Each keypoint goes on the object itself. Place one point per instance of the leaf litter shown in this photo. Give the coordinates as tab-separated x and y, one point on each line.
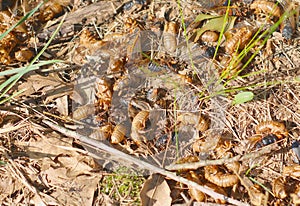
43	167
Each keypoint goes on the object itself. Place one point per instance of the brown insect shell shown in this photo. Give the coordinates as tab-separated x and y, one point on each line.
87	40
188	159
104	94
138	124
223	147
169	36
278	188
272	127
137	105
266	7
217	189
209	36
237	38
102	133
257	198
201	122
98	135
293	171
194	193
23	55
84	111
139	121
296	195
51	9
198	145
214	175
118	134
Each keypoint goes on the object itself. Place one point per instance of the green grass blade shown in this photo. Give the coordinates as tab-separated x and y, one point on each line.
12	96
33	67
13	80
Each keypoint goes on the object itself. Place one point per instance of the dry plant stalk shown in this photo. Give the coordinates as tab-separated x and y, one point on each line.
122	157
202	163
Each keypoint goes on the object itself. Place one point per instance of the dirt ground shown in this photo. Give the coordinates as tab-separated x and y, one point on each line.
143	102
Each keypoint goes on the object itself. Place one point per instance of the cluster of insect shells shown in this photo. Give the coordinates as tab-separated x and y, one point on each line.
220	177
12	45
239	36
12	42
215	176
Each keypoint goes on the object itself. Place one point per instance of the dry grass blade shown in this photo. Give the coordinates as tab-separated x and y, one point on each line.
122	157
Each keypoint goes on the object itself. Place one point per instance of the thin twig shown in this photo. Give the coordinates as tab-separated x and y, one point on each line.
121	157
202	163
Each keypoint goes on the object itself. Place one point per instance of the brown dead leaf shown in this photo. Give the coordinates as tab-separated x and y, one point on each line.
156	191
62	105
35	83
71	191
8	185
64	168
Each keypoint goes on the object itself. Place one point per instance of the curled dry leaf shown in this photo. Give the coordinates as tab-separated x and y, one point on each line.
156	191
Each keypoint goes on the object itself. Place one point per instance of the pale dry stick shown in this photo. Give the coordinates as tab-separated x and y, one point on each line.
202	163
122	157
13	128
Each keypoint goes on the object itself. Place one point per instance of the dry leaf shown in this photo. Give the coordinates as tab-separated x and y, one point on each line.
35	83
156	191
8	185
62	105
63	168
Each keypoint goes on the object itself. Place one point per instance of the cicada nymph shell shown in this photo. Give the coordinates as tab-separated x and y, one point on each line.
266	7
103	94
201	122
169	36
23	55
237	38
257	198
216	176
188	159
296	195
194	193
217	189
83	112
293	171
278	188
101	133
272	127
209	36
118	134
52	9
138	124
